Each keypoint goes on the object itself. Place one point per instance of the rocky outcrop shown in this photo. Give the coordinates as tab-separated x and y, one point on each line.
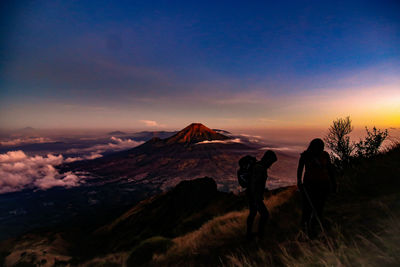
170	214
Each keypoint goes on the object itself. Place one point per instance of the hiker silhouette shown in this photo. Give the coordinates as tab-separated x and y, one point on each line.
316	184
255	193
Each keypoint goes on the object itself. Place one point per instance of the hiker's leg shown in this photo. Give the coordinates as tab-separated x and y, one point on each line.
264	215
320	203
313	194
316	200
250	218
307	210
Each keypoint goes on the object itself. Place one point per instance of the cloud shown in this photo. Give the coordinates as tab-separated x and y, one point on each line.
251	138
27	140
248	135
151	123
19	171
85	157
289	148
230	141
116	144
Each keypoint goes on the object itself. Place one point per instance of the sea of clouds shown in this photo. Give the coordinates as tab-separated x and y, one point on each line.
19	171
116	144
25	140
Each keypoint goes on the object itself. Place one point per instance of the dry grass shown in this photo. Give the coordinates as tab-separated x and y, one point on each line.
110	260
219	235
370	249
218	232
43	251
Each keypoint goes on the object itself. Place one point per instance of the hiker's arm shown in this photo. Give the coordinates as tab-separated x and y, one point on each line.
252	184
259	182
300	169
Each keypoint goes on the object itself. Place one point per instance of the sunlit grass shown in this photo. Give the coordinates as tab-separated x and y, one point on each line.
223	233
370	249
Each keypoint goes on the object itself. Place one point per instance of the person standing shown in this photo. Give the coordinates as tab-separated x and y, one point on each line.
255	194
316	184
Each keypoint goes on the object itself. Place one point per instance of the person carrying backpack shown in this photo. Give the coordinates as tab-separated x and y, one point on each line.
256	175
316	184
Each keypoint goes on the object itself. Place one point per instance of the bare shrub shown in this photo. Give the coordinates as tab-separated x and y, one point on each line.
338	139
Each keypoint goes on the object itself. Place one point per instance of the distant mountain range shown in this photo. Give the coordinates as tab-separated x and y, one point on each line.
147	135
142	136
116	133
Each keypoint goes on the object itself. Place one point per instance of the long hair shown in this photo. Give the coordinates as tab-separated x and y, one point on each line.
316	146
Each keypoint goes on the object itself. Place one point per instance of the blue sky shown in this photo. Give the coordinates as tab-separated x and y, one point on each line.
164	64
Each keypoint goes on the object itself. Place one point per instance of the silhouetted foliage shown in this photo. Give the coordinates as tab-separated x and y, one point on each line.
370	145
343	150
338	139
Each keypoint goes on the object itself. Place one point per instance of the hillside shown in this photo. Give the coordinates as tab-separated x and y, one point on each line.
195	225
170	214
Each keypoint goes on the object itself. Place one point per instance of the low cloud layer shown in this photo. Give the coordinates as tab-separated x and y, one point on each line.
284	148
26	140
251	138
230	141
19	171
116	144
85	157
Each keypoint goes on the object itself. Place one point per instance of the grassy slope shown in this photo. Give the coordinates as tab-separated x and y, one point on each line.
218	236
364	227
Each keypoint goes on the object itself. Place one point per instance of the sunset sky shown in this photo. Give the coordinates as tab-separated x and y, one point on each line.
227	64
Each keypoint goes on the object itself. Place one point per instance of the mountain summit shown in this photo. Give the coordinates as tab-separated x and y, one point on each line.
194	133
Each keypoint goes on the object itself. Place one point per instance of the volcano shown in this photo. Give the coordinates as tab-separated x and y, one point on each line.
194	133
193	152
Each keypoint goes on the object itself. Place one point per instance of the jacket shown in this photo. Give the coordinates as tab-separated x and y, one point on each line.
257	182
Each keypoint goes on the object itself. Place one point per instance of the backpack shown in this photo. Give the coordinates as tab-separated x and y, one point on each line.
244	173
